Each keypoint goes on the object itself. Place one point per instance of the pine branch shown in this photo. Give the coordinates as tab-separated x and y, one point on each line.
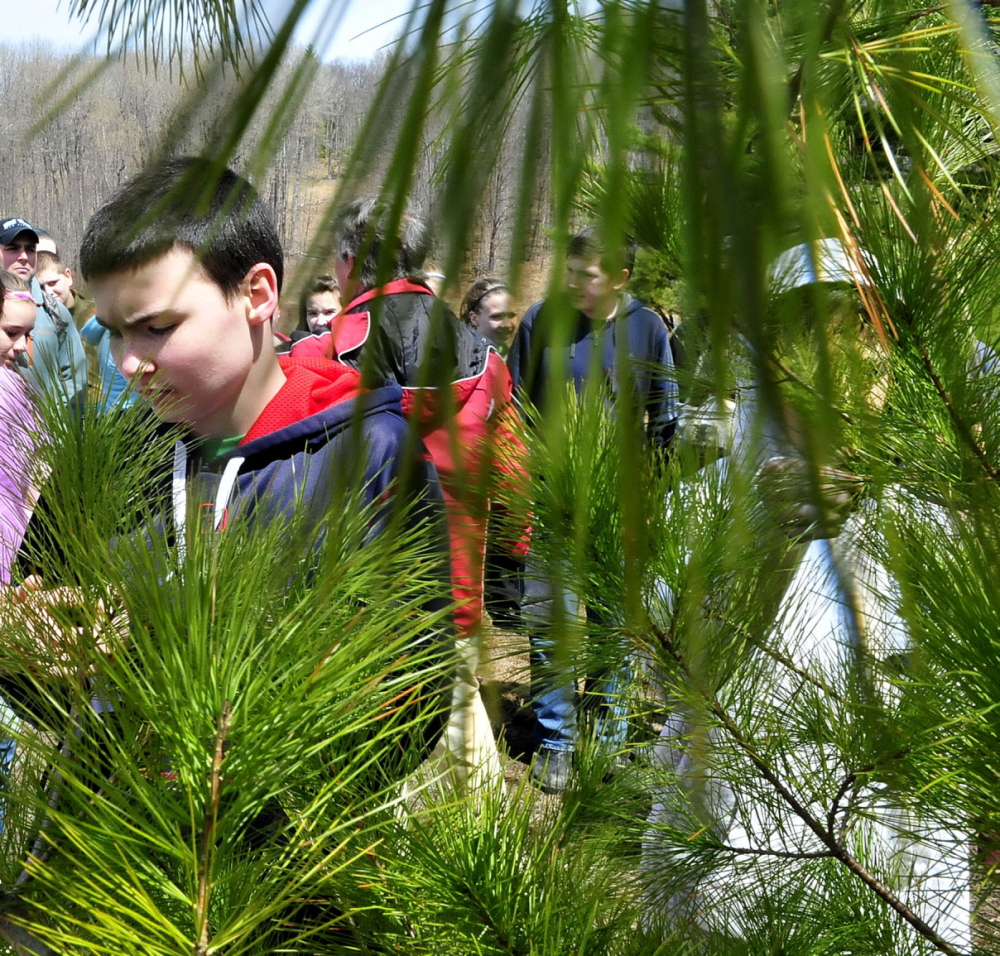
823	834
779	854
960	424
208	832
503	939
38	851
831	818
788	663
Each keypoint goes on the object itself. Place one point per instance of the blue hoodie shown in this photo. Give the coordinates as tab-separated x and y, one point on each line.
321	432
650	363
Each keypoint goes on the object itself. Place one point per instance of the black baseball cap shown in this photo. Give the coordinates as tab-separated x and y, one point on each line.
9	228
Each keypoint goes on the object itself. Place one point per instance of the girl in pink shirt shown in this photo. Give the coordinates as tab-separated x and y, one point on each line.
18	420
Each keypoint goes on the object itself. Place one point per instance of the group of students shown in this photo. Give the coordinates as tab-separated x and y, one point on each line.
601	313
162	293
186	301
486	307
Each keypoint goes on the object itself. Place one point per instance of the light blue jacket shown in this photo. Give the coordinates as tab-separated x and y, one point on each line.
59	363
113	384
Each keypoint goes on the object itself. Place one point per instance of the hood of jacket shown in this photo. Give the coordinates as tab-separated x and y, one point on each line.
320	399
407	325
321	429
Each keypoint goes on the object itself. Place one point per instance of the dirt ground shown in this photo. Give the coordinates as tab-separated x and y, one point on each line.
505	690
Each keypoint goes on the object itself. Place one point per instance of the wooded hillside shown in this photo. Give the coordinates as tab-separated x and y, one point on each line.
76	129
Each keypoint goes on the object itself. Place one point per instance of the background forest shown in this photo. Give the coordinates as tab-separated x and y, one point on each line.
82	150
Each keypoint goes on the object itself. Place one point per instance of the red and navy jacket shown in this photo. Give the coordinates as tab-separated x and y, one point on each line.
402	333
324	431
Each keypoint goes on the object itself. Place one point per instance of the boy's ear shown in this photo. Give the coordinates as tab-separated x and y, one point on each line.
621	280
261	290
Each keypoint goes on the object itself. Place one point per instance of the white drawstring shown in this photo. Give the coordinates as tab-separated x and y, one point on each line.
180	495
225	491
180	498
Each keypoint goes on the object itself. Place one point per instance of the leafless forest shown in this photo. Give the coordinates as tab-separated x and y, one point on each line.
61	157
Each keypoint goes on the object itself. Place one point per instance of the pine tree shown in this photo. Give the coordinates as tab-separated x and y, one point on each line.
245	797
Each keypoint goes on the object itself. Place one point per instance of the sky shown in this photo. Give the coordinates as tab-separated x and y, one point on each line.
49	20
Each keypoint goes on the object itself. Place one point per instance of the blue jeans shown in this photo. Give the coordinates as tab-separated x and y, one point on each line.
551	614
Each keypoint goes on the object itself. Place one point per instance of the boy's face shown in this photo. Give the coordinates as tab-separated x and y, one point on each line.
592	290
59	284
186	348
16	323
19	255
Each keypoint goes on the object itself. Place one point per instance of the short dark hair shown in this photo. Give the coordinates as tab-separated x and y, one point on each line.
589	243
477	292
361	230
191	203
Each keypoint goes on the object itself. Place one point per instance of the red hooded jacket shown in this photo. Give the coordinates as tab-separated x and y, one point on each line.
402	333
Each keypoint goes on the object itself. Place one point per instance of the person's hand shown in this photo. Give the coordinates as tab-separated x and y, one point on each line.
801	506
57	622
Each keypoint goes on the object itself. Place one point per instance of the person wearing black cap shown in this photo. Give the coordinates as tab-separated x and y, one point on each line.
58	361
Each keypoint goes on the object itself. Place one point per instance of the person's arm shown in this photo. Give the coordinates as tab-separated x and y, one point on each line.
524	358
72	356
662	407
59	361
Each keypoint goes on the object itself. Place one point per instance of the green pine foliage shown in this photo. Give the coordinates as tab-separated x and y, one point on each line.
273	691
215	735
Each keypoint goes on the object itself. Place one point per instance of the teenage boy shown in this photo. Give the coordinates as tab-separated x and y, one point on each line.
602	314
186	269
56	278
58	365
188	295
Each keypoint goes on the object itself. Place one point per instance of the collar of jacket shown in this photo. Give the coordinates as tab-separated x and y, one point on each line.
392	288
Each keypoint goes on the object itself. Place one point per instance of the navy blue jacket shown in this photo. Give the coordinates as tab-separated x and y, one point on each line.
323	433
650	364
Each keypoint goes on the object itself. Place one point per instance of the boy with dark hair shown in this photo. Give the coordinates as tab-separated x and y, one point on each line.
186	268
600	315
589	244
